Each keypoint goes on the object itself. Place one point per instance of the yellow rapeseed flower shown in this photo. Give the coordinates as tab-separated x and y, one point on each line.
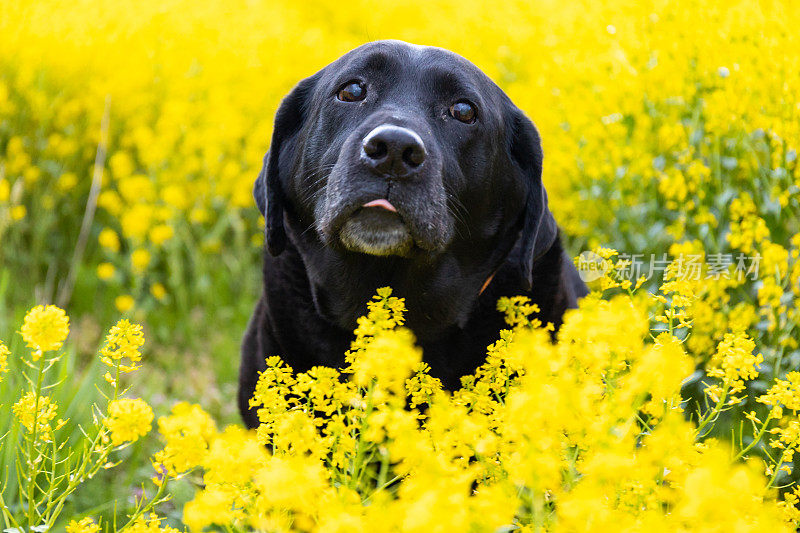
105	271
4	353
27	414
215	505
128	419
18	212
67	181
122	345
109	239
158	291
388	359
84	525
124	303
45	328
736	360
150	524
5	190
160	234
187	432
140	258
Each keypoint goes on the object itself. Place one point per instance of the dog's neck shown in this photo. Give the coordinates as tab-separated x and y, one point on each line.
441	291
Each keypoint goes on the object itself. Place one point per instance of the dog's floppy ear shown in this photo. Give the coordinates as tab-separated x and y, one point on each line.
267	190
539	229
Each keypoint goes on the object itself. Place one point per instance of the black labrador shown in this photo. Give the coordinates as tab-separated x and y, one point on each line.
404	166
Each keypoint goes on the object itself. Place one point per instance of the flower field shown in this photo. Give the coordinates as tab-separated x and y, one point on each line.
130	137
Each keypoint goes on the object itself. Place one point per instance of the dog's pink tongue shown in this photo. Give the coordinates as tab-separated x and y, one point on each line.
381	203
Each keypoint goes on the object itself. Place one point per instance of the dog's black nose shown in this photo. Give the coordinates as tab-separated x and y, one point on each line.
393	150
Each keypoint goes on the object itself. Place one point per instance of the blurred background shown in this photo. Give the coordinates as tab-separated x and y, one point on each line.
131	133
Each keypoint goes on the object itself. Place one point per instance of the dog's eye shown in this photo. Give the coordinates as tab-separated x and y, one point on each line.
352	91
463	111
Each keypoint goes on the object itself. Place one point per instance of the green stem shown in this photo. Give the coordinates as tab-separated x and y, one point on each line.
33	466
355	473
116	379
756	439
776	368
146	507
8	518
384	471
382	486
777	469
80	474
671	318
715	411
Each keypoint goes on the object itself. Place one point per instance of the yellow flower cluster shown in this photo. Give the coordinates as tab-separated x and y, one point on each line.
667	126
746	226
785	393
128	419
84	525
51	465
150	524
121	349
187	431
36	414
734	362
4	353
377	356
587	434
44	329
653	117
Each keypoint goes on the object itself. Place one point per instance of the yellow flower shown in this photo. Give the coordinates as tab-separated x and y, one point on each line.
213	505
67	181
85	525
140	258
785	393
124	303
233	456
151	524
136	221
291	482
187	432
29	416
4	353
111	202
123	341
158	291
105	271
18	212
45	328
378	342
735	359
109	239
121	165
5	190
160	234
389	358
128	419
747	228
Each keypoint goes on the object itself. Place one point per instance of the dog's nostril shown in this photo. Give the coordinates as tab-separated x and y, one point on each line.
413	156
393	150
375	148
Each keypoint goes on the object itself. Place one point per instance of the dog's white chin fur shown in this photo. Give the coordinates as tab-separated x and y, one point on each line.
380	234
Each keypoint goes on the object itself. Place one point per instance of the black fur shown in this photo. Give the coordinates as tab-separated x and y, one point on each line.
475	207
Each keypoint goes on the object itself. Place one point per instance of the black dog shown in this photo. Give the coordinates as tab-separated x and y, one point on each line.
403	166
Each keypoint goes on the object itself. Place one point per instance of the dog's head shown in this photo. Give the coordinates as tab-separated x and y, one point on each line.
402	150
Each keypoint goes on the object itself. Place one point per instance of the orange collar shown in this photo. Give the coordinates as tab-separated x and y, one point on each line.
486	283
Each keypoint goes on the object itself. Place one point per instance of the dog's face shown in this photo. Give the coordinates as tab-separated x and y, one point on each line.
409	151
